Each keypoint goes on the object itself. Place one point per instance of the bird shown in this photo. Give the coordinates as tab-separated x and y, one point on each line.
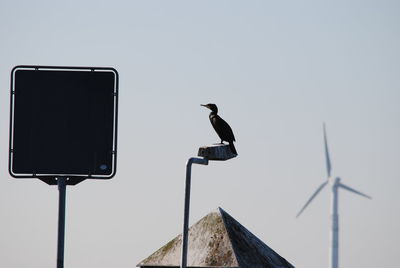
222	128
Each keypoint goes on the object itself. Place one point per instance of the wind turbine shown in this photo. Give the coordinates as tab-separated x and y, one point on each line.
335	183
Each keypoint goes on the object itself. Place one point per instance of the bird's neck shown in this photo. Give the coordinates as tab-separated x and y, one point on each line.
212	114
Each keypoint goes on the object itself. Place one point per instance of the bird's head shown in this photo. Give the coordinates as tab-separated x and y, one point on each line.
211	106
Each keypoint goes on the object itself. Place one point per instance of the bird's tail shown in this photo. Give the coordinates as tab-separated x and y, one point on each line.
232	147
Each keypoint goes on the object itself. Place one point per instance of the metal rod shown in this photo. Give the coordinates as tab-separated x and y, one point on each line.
61	182
193	160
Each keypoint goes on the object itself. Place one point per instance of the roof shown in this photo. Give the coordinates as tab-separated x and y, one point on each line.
218	240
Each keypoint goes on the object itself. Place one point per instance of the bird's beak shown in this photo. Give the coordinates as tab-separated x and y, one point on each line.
204	105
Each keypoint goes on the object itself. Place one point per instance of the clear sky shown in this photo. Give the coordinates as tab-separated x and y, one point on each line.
276	69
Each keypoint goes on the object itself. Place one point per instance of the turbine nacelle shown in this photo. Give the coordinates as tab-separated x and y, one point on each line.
333	180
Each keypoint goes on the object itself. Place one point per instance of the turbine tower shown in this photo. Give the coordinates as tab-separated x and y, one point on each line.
335	184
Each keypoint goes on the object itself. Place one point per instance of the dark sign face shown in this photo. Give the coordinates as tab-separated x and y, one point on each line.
63	122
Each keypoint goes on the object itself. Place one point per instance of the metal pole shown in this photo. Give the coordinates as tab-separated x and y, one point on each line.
61	182
195	160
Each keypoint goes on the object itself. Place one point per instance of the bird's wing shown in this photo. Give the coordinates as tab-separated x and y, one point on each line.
222	128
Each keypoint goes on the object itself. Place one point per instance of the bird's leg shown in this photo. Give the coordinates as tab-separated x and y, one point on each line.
222	142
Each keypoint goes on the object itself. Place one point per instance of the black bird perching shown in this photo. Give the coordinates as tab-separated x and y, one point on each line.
219	152
222	128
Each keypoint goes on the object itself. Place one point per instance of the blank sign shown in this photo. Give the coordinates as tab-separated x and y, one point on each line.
63	121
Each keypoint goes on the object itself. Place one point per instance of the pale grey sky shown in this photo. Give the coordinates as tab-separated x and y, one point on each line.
276	69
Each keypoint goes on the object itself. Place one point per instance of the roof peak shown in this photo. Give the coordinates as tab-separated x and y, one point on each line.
218	240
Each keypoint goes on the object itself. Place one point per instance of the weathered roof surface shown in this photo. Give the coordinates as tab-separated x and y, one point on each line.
218	240
250	251
208	246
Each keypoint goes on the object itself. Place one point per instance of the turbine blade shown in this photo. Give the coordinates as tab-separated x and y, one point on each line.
327	158
353	191
312	197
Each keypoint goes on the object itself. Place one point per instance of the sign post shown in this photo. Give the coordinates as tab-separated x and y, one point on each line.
61	181
63	128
